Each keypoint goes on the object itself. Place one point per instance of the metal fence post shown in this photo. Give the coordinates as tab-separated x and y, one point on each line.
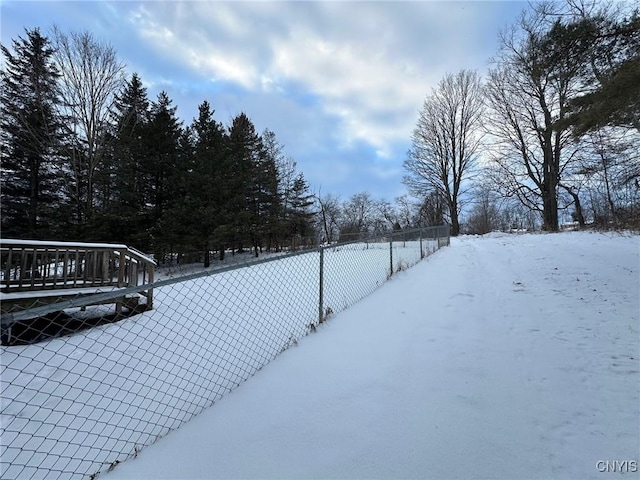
321	292
391	254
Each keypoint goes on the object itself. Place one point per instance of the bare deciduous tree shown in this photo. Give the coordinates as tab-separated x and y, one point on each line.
484	216
431	211
529	91
405	211
358	216
446	141
91	77
609	170
328	216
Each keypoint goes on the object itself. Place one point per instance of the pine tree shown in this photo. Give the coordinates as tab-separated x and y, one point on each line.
124	212
194	216
299	213
606	50
248	182
163	135
205	192
285	169
173	232
31	134
267	203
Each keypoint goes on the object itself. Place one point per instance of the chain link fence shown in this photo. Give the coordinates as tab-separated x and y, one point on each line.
84	387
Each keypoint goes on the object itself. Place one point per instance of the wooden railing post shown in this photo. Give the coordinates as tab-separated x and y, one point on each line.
7	273
121	269
150	291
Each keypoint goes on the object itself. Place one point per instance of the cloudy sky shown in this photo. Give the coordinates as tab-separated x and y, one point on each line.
340	83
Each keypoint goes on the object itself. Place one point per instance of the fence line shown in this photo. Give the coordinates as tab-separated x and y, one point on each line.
75	405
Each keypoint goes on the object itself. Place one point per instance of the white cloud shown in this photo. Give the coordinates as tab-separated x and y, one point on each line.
190	33
370	63
366	65
340	82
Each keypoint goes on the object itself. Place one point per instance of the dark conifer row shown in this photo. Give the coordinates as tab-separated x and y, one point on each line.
158	186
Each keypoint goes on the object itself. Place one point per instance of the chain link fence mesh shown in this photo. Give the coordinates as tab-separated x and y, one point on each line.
84	387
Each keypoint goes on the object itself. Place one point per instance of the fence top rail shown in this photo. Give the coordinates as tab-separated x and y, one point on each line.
382	237
9	242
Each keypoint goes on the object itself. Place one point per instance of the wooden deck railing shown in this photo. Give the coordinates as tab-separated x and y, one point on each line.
66	267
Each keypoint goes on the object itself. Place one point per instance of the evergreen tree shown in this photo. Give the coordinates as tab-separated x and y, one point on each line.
173	232
284	170
299	213
614	58
158	166
126	204
31	134
248	182
203	180
267	203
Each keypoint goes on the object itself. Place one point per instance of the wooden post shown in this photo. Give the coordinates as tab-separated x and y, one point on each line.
55	268
105	266
121	276
7	273
34	263
46	265
23	267
94	267
76	268
150	291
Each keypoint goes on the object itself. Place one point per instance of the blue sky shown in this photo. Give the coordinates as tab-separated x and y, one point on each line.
340	83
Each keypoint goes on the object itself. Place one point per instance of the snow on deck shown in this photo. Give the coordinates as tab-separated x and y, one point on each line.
504	357
60	292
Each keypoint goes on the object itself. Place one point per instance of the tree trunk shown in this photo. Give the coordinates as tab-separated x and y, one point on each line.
207	256
605	170
549	178
550	200
578	205
88	215
455	224
579	214
550	210
32	218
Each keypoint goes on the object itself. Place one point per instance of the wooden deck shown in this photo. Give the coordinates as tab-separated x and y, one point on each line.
39	272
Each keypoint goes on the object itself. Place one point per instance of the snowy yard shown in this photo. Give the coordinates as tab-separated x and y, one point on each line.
77	405
499	357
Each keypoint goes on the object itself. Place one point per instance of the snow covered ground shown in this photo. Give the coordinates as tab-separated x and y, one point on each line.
500	357
73	406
